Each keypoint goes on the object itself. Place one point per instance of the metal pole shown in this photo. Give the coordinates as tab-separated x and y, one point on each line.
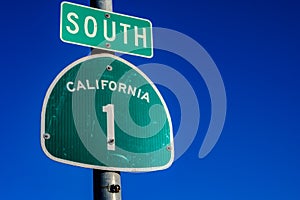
102	4
106	184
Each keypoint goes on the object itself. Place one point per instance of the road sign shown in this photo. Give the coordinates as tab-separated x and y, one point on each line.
102	29
102	112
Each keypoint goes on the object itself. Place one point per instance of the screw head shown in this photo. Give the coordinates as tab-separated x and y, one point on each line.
109	68
111	141
47	136
169	148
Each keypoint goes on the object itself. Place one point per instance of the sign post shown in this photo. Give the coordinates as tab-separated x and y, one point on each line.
102	112
103	180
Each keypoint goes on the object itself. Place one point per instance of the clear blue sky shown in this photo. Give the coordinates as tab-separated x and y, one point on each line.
254	44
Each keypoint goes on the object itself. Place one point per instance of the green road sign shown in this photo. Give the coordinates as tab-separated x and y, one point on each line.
102	29
102	112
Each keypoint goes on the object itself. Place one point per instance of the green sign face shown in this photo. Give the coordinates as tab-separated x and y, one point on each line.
102	29
102	112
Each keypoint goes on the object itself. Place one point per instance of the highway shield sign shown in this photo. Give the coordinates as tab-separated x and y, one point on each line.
102	112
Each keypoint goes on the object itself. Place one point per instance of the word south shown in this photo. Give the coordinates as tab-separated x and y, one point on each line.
110	85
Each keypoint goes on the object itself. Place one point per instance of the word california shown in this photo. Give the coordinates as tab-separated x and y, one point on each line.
110	85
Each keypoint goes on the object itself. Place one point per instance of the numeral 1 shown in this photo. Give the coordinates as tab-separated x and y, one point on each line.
110	110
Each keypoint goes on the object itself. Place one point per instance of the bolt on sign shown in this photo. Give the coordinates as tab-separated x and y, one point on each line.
102	112
102	29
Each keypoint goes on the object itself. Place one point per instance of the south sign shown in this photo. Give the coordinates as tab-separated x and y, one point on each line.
102	29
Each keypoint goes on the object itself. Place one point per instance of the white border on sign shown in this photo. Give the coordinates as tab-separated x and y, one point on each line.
49	91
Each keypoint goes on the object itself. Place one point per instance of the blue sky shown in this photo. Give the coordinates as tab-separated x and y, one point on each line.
255	46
